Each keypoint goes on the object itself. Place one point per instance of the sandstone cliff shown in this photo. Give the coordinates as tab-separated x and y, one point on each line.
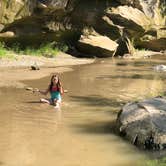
126	23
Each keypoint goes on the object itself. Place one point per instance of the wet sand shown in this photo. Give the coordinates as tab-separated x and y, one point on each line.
13	71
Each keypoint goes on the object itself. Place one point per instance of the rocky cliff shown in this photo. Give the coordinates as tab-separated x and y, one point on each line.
95	28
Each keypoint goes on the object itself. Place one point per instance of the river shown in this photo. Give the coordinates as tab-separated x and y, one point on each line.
82	133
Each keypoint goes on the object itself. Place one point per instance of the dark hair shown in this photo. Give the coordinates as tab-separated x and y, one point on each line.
51	82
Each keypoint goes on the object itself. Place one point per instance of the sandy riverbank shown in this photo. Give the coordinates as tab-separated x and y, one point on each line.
13	71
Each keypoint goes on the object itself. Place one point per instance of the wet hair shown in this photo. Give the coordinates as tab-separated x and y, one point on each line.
51	82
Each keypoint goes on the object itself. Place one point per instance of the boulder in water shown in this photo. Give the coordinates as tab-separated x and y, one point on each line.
144	123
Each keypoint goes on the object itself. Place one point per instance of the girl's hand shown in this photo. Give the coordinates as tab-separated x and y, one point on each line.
65	90
36	90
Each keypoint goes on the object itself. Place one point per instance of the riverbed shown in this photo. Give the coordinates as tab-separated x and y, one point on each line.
82	132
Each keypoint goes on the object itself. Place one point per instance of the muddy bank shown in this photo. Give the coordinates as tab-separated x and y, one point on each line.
14	70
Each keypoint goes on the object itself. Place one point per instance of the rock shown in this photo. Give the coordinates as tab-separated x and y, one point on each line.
148	7
29	88
41	5
97	45
153	39
133	20
160	68
7	34
52	4
35	67
143	123
9	12
152	43
127	56
1	27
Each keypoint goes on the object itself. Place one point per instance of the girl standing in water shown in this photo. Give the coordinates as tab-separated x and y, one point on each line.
56	90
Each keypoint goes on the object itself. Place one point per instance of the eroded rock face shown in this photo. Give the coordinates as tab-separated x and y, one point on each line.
18	9
148	7
15	9
133	20
139	21
143	123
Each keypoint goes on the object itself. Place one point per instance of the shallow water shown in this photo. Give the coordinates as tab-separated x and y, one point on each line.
82	132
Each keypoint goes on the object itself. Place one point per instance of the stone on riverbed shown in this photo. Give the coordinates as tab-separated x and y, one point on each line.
35	66
144	123
160	68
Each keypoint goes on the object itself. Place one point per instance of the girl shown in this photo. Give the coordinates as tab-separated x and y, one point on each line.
55	89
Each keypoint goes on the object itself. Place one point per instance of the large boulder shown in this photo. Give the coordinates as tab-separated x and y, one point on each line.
7	34
154	40
153	44
148	7
134	21
144	22
97	45
144	123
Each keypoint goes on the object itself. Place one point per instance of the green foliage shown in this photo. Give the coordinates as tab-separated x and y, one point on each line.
16	48
63	47
156	162
142	49
48	49
3	51
36	52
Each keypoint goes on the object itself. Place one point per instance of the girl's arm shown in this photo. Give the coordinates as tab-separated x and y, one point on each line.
61	90
44	92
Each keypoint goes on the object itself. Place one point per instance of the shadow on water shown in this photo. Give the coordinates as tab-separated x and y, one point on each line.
96	101
140	63
129	70
98	127
33	102
133	76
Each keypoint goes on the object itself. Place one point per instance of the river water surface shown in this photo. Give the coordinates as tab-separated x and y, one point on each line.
82	133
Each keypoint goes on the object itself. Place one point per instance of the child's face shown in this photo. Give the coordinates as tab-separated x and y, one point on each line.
55	80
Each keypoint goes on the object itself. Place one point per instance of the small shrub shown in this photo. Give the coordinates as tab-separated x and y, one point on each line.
3	51
156	162
16	48
48	50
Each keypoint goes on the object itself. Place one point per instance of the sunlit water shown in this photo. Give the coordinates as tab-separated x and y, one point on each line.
82	133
